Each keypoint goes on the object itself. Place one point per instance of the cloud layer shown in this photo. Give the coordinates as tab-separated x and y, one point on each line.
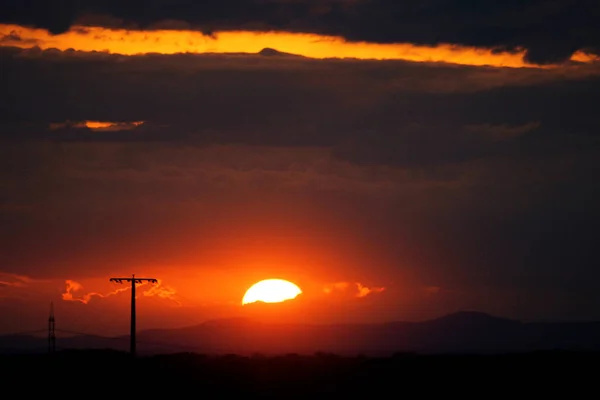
549	31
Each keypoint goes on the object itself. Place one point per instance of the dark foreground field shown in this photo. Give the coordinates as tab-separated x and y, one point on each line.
82	374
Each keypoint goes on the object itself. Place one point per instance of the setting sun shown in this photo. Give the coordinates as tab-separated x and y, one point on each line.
271	291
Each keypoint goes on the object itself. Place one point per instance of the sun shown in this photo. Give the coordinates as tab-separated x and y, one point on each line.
271	291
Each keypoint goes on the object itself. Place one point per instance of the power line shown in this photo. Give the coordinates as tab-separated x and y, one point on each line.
51	328
24	333
159	344
110	338
89	334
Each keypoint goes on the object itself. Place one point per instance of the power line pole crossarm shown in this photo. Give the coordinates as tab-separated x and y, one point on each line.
133	281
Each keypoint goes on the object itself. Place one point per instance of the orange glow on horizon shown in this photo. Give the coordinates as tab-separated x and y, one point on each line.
133	42
583	57
102	126
271	291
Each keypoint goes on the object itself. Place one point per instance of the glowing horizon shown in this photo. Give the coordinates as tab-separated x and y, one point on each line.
136	42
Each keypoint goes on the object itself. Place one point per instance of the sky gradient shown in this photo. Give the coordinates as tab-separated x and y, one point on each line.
398	160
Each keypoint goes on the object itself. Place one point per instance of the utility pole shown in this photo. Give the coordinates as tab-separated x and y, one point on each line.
51	335
133	281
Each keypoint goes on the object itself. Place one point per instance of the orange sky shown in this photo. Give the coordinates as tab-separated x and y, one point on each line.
129	42
183	300
210	221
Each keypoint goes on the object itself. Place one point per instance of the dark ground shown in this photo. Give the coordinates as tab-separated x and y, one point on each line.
81	374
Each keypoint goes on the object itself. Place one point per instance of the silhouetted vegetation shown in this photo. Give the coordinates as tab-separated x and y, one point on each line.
296	376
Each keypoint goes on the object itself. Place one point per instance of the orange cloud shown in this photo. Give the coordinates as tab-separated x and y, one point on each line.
357	288
162	291
72	287
16	286
583	57
130	42
98	125
13	280
364	291
157	290
336	286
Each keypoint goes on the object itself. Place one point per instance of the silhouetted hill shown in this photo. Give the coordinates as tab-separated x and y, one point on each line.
464	332
470	332
469	318
22	344
268	52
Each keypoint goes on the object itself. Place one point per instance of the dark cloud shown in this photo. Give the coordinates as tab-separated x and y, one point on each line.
367	112
462	177
56	16
252	99
550	30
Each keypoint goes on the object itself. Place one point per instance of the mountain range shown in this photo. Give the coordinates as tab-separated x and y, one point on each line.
463	332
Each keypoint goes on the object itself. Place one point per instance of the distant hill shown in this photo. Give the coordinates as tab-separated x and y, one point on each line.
463	332
268	52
